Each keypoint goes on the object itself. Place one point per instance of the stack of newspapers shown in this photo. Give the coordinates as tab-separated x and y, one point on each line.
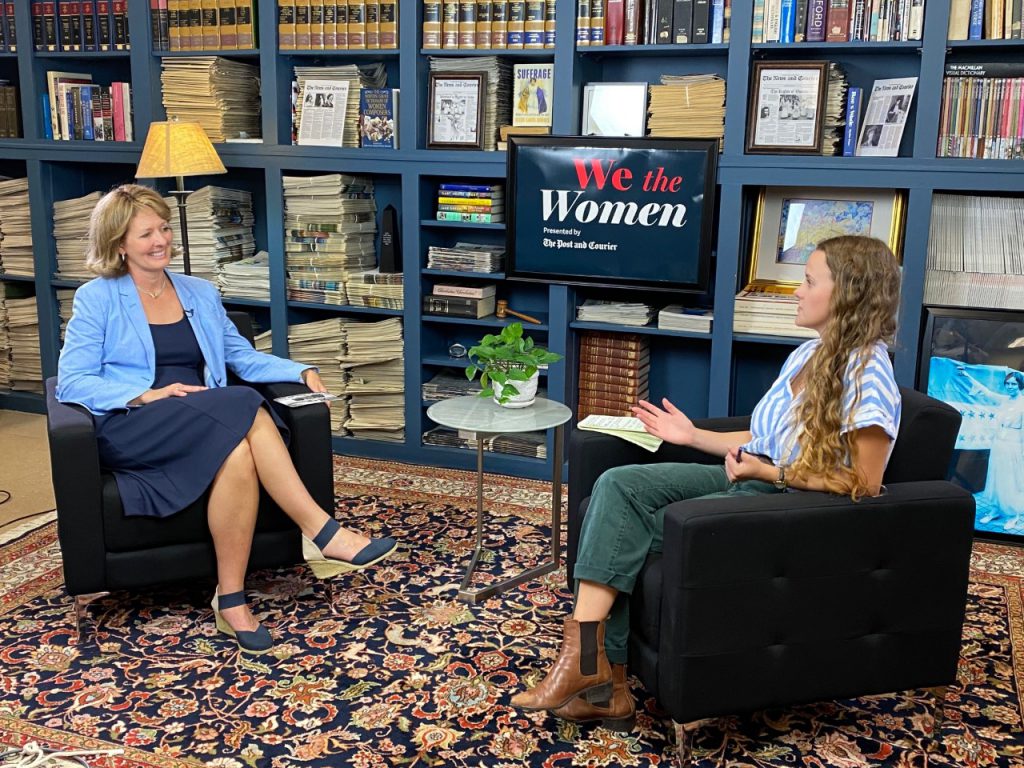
374	364
65	302
246	278
467	257
675	317
70	223
376	289
497	106
23	335
330	231
532	444
763	311
222	95
619	312
321	344
688	106
5	344
220	225
15	229
311	82
448	383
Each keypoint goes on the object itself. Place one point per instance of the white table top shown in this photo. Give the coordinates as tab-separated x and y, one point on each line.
482	414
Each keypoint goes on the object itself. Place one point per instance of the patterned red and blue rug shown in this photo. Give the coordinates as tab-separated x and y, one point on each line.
386	668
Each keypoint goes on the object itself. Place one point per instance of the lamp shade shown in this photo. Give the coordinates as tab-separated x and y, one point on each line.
177	148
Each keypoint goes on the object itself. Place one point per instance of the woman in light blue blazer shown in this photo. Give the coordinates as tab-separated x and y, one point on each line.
147	351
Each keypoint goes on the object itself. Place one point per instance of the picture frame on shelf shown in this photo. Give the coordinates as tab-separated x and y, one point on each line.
614	109
790	221
455	117
787	107
973	360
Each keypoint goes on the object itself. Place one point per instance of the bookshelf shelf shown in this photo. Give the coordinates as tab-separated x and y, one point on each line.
242	302
55	283
443	361
706	49
29	402
716	364
490	320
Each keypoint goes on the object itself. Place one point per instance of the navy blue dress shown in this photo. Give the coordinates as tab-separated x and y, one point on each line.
165	454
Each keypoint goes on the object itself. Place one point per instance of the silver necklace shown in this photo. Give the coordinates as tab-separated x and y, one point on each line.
154	294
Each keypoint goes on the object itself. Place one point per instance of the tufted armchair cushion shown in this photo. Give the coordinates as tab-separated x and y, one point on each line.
774	600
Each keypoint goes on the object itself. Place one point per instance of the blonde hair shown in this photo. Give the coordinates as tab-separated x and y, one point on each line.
109	223
862	311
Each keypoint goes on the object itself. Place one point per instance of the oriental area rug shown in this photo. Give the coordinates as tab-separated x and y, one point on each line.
386	668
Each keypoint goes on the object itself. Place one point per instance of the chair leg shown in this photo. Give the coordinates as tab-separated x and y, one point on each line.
81	611
684	740
936	698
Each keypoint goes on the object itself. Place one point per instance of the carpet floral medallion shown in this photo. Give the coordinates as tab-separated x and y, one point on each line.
386	668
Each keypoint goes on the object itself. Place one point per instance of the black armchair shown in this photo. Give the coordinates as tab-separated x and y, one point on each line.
790	598
103	550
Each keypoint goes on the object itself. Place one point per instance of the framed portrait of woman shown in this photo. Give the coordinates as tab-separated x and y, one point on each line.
973	359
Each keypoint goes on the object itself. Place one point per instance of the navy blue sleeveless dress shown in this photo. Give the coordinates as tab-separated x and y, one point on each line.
165	454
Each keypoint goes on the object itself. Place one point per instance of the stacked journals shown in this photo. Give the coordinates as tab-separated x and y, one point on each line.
15	229
614	368
619	312
321	343
688	106
675	317
497	102
246	278
65	302
369	76
976	252
448	383
374	364
330	229
374	288
768	312
220	225
23	335
474	203
221	95
467	257
70	220
531	444
5	343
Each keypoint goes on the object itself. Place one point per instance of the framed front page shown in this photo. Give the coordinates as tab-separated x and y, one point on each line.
456	114
787	107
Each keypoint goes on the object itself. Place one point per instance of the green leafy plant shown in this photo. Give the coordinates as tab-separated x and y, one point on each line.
506	358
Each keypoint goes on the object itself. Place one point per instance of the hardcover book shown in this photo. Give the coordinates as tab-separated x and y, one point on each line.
378	117
532	93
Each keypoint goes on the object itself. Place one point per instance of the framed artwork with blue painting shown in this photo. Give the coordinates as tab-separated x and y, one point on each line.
791	221
973	359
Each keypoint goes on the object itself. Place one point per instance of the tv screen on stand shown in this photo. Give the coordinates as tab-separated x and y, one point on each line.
611	211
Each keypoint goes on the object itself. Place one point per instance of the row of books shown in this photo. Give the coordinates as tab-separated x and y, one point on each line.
81	25
985	19
10	125
8	29
652	22
613	373
202	25
352	24
838	21
460	299
487	24
975	252
475	203
982	112
76	108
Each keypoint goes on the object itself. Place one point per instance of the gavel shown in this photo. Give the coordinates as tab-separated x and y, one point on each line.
502	311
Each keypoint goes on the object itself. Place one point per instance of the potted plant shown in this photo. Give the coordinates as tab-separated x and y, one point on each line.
508	366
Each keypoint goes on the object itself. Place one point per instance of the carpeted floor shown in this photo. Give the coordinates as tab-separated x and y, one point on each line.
386	668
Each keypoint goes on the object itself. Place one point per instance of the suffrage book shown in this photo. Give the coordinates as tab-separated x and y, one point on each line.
532	86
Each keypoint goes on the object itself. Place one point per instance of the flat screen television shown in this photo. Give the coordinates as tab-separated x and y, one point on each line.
611	211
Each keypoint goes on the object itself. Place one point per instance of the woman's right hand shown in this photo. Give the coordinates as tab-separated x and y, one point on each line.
670	424
171	390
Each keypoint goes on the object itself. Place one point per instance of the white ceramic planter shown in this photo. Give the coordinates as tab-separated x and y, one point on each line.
527	392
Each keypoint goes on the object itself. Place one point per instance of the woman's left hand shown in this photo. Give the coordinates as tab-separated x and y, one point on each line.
744	466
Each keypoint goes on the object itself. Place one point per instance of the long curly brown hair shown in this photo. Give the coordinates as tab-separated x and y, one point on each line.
862	311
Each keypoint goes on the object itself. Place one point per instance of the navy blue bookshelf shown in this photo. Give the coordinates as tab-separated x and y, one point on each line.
708	374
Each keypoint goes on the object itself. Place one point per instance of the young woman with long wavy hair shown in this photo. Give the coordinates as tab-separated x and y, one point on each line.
828	423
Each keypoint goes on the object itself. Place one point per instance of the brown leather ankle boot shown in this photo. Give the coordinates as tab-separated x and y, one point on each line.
616	714
565	680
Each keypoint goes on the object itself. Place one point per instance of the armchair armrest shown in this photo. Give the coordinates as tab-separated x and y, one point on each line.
591	453
77	489
825	597
310	443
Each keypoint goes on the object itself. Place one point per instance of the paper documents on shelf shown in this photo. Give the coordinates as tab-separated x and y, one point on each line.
627	427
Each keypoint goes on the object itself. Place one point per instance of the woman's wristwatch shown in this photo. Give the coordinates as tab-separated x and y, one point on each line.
780	481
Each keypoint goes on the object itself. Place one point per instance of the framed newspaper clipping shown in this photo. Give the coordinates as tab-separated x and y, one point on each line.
787	106
456	110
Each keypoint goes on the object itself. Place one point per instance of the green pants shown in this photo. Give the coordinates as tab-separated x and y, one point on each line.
625	521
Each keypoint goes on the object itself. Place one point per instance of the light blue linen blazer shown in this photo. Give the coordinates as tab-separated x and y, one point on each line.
108	356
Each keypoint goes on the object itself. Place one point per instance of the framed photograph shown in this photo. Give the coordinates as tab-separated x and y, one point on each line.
787	107
973	359
611	211
456	116
791	221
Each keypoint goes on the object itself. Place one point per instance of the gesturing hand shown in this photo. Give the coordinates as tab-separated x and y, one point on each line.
171	390
671	424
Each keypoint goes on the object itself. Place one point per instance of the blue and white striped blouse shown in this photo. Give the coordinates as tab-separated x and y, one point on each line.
772	423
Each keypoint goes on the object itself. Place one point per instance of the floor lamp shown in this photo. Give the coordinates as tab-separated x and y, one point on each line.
178	148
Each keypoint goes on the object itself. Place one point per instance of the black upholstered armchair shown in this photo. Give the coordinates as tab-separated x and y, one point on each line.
782	599
103	550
